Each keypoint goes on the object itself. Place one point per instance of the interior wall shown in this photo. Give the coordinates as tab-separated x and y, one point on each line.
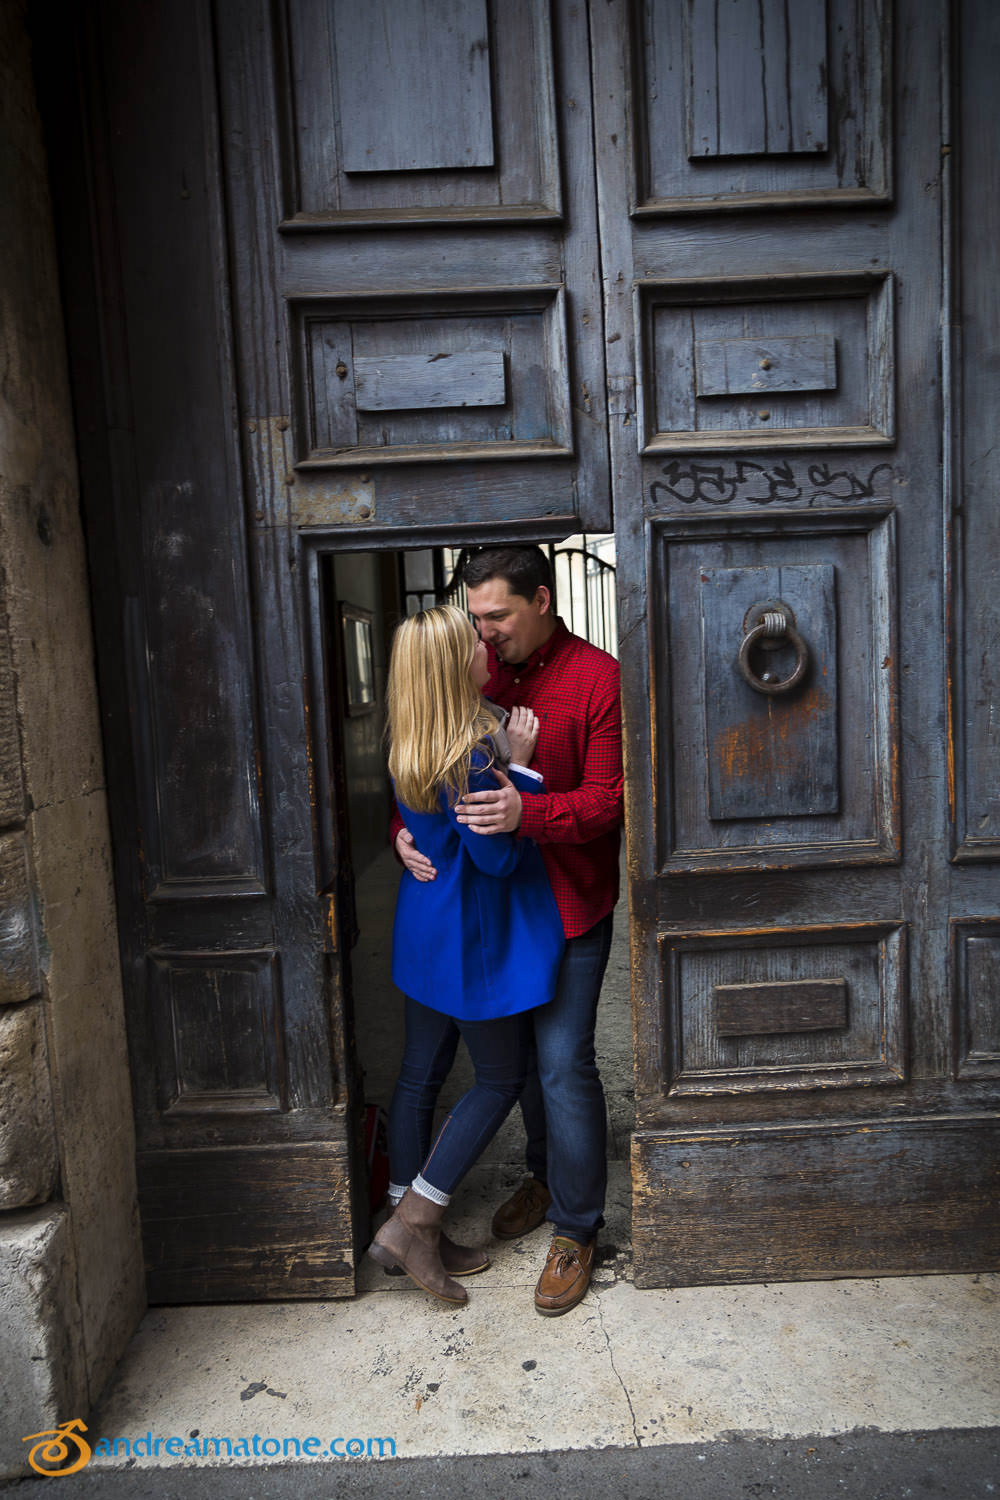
363	579
71	1279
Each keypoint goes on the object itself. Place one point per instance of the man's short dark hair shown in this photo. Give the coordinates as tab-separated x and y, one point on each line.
525	569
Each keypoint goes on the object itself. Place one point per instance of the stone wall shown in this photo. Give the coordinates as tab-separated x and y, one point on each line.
71	1287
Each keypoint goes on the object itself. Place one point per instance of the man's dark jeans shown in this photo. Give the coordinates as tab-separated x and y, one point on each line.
563	1100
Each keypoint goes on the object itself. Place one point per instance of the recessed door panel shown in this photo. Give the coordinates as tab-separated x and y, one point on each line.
771	735
774	750
482	375
976	986
801	362
756	103
808	1009
224	1060
436	110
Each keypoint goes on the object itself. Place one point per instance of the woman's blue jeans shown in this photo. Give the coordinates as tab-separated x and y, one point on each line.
563	1100
499	1053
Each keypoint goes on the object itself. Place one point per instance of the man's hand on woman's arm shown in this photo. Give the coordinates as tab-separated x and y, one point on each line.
418	864
492	812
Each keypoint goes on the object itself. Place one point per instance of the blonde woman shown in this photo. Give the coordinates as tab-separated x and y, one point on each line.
474	950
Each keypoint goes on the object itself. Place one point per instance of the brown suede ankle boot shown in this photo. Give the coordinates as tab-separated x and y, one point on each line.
462	1260
411	1239
458	1260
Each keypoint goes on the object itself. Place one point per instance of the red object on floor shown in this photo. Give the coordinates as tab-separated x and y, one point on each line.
377	1153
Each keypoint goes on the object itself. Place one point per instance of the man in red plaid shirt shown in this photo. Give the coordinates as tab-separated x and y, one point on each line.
572	689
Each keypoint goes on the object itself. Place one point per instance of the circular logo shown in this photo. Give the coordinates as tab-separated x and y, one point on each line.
61	1451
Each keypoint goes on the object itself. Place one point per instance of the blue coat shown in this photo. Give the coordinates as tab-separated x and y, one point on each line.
484	938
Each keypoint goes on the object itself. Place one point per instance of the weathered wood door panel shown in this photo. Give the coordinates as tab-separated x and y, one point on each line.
421	296
416	285
813	1048
346	289
358	278
241	1075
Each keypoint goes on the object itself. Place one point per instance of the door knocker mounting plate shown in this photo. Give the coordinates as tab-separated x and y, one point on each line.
768	625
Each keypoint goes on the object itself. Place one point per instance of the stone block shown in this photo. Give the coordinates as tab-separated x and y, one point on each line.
42	1369
41	548
71	861
28	1162
46	600
65	1315
11	782
89	1063
19	974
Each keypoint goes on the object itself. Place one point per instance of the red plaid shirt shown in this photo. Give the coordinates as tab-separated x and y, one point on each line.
574	689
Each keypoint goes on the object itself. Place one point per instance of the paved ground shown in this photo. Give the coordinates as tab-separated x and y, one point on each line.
873	1389
769	1388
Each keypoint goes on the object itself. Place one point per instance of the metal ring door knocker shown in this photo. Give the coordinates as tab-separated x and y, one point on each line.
771	624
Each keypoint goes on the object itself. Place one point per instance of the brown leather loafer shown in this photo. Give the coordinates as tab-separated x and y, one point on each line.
566	1277
523	1212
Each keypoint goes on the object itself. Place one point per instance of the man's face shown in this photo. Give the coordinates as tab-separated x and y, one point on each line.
513	626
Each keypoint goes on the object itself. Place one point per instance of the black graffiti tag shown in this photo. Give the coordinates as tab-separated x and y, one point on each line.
751	483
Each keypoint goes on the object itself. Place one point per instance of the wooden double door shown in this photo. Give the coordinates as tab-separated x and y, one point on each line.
716	273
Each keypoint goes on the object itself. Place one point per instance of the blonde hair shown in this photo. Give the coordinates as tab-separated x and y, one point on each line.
436	714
